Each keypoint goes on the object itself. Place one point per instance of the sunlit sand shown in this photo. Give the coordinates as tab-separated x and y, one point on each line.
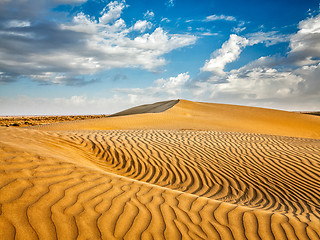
171	170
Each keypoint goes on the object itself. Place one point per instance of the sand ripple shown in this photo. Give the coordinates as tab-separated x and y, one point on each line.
158	184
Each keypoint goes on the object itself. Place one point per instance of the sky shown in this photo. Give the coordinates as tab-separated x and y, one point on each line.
60	57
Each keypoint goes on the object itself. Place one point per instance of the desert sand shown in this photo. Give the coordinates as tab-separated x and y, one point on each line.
170	170
187	115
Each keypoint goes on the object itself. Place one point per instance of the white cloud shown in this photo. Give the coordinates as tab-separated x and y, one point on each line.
305	44
162	89
161	42
17	24
149	14
167	20
269	81
205	32
262	86
172	86
219	17
111	40
208	33
231	49
268	38
229	52
311	84
265	62
85	46
111	12
238	29
258	83
142	25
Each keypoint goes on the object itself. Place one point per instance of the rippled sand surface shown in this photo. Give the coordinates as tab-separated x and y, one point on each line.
160	183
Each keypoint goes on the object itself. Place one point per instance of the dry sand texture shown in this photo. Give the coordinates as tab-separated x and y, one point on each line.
163	184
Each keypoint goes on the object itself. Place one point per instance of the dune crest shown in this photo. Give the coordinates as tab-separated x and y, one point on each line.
147	108
202	116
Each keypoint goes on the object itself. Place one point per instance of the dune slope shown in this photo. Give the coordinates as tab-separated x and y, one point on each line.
203	116
158	184
148	108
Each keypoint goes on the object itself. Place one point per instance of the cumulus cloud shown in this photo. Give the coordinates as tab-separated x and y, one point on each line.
149	14
229	52
111	12
172	86
305	44
142	25
289	89
270	80
71	52
259	86
258	83
311	83
162	89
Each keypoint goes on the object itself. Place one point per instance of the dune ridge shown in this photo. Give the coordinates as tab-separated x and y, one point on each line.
157	107
204	116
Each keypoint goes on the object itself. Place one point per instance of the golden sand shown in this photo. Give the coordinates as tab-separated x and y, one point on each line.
182	172
187	115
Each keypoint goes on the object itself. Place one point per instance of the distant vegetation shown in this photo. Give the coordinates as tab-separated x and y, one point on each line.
24	121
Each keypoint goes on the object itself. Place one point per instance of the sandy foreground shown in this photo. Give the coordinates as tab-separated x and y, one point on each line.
172	170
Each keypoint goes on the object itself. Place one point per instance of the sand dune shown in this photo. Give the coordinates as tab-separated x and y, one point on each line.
148	108
204	116
160	183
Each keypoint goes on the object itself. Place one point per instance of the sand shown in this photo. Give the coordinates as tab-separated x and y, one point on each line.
187	115
177	175
158	107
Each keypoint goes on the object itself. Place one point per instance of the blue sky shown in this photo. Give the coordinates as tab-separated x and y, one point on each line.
101	56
